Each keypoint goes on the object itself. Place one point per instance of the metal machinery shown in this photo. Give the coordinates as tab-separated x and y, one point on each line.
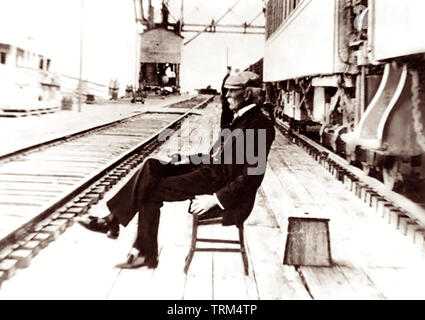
355	70
160	59
160	51
161	42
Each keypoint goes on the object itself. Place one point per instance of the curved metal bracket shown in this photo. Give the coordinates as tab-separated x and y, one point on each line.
387	125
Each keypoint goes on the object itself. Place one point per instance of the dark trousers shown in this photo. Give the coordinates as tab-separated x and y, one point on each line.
145	193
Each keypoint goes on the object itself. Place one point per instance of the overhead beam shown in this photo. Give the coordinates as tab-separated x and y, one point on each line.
223	31
218	20
223	25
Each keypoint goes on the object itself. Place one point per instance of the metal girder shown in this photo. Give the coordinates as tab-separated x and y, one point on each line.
223	28
223	31
224	25
218	20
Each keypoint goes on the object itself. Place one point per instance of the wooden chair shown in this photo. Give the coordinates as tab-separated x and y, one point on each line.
208	219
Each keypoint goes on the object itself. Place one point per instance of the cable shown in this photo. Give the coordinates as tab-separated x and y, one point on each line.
219	19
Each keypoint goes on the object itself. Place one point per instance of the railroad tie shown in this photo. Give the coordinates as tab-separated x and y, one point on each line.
388	211
3	277
406	224
370	195
23	257
107	185
33	245
412	230
43	238
395	218
51	230
8	268
94	197
61	223
77	210
29	241
377	201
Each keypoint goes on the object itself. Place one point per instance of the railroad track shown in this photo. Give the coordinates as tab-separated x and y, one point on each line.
44	187
402	213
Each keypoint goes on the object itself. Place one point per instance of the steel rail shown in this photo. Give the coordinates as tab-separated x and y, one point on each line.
73	191
79	133
407	206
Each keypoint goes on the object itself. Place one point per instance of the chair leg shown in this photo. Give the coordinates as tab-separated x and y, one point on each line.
243	250
193	243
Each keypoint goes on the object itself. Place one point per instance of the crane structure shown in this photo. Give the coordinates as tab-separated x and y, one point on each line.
161	41
179	25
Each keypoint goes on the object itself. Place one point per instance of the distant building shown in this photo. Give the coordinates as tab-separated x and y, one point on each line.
160	58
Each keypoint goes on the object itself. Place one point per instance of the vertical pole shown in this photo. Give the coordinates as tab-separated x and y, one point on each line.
360	95
136	16
181	16
151	17
136	75
358	99
227	56
136	71
80	82
363	92
142	12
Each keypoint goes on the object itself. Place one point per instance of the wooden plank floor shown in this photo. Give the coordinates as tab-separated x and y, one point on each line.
372	261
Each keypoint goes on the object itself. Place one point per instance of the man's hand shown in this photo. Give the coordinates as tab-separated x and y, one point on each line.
202	204
177	159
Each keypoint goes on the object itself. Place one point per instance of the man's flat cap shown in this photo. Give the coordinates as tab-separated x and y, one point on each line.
243	80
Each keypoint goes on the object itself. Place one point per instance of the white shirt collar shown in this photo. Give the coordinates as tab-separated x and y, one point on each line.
243	110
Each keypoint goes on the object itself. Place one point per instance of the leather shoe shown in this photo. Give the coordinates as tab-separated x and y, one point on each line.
135	261
95	224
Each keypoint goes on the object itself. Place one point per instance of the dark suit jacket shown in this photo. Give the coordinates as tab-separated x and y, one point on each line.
226	113
234	181
239	167
223	88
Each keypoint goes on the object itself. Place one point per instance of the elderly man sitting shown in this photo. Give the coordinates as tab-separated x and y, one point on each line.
225	180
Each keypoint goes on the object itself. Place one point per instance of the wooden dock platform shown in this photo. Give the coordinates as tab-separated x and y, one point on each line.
26	112
371	260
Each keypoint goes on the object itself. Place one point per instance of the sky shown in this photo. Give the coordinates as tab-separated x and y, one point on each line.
53	28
